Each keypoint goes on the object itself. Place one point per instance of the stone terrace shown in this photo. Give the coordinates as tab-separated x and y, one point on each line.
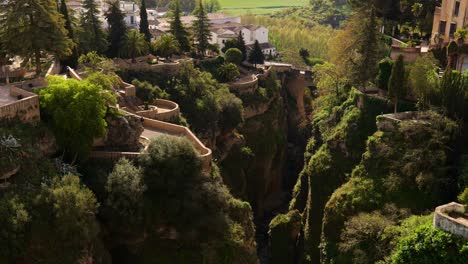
5	97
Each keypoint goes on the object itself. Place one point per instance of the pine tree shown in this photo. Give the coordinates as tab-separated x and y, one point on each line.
201	29
241	45
397	84
256	56
30	28
117	30
365	66
91	36
144	25
177	28
71	60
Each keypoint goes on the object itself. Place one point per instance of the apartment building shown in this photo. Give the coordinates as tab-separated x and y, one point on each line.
450	16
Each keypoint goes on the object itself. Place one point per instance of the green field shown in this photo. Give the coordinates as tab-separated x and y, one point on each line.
258	6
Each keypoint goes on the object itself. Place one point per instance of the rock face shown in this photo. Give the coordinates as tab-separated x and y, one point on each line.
123	133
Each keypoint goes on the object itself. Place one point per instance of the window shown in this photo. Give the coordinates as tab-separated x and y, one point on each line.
442	27
453	28
457	8
132	20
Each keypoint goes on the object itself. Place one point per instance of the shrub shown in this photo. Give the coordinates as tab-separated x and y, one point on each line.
227	72
125	190
147	92
385	70
463	197
76	111
234	55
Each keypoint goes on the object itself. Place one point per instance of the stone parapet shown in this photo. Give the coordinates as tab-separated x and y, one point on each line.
451	218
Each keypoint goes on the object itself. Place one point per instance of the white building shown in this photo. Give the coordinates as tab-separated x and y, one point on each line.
221	33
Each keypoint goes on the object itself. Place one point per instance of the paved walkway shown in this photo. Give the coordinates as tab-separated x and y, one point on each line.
5	97
152	133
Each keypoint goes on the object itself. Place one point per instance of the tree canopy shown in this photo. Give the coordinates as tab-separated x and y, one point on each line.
33	27
91	36
76	110
117	30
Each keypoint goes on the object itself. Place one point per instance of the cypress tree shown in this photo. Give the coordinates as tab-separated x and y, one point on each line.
397	84
256	56
241	45
71	60
91	36
177	28
30	28
144	25
201	29
117	30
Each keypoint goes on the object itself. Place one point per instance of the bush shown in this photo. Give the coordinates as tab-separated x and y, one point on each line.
463	197
106	81
227	72
385	70
427	244
147	92
76	112
234	55
125	190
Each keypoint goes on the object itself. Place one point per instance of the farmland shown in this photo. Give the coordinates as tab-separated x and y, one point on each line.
258	6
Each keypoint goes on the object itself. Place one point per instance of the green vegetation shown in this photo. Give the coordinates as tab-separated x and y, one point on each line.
290	35
30	31
166	46
429	245
144	25
117	30
135	44
282	236
178	29
201	29
234	55
256	56
91	37
396	83
75	111
257	7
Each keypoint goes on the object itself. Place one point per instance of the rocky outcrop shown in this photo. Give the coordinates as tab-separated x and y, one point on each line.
123	133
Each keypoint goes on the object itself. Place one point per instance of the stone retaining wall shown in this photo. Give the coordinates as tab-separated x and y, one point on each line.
204	152
245	86
409	54
171	68
26	110
443	221
54	69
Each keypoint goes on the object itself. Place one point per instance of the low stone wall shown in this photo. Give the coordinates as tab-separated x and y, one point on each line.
168	115
409	54
245	86
16	73
26	110
170	68
130	89
54	69
205	153
30	85
443	221
73	74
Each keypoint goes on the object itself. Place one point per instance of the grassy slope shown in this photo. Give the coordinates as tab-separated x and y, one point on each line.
258	6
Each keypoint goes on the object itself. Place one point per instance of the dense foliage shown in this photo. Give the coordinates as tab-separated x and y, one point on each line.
76	111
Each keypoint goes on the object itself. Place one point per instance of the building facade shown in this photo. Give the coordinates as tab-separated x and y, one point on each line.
450	16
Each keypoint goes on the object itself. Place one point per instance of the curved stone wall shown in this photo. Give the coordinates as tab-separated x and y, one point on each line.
246	86
449	224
